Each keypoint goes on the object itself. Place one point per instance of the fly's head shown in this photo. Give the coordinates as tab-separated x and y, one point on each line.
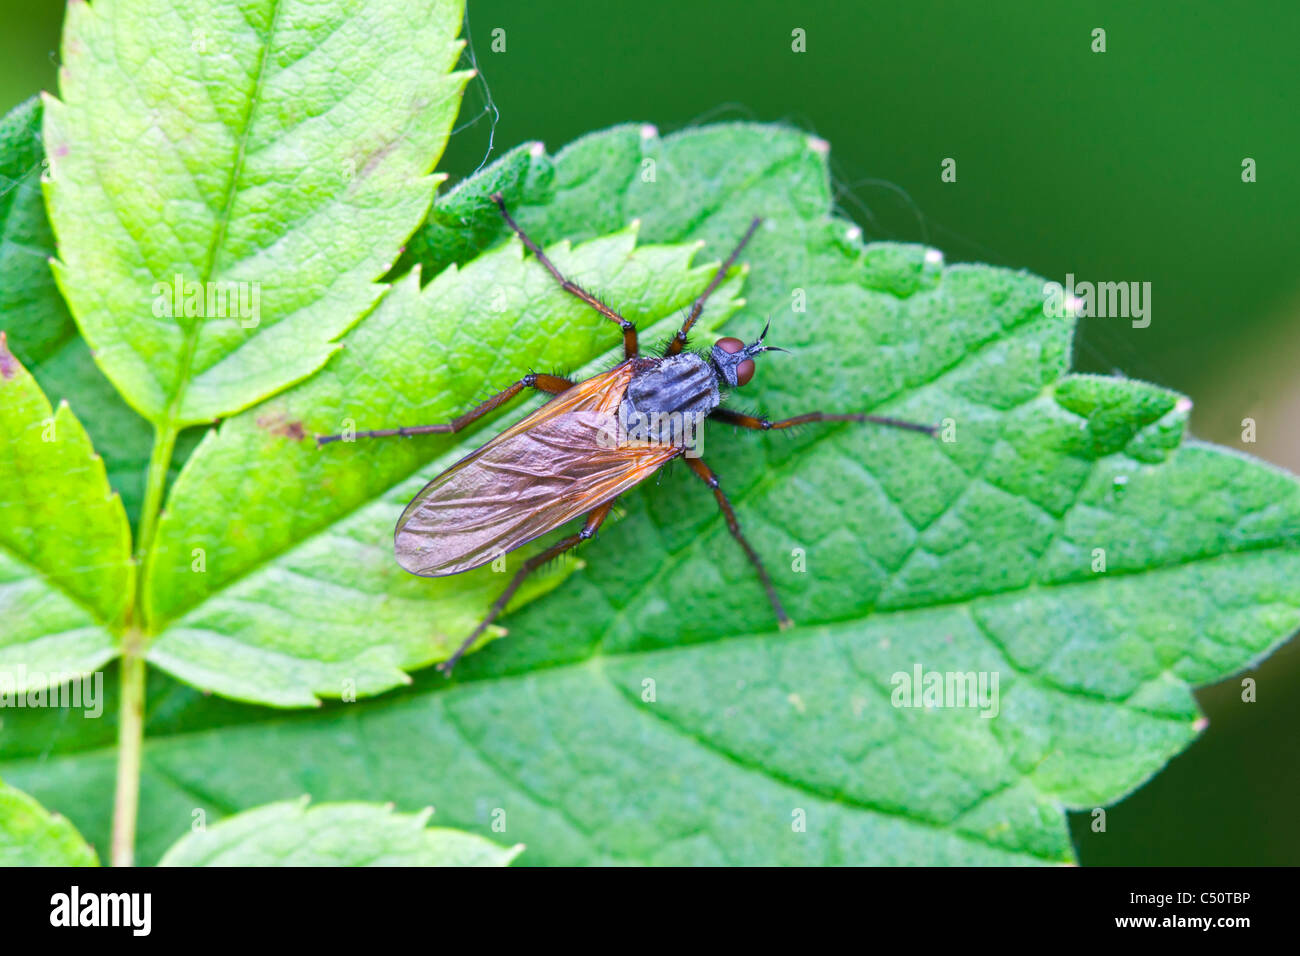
733	360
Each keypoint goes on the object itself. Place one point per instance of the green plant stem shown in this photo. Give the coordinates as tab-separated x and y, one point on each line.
130	744
130	724
160	459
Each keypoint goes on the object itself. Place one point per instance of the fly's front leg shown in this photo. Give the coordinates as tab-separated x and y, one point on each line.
630	347
679	340
554	384
595	518
762	424
706	474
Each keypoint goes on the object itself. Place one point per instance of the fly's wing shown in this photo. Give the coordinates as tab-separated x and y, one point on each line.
556	464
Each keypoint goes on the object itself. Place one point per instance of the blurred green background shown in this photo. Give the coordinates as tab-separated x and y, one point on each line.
1123	165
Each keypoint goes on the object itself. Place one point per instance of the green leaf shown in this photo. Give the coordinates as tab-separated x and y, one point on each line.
299	595
120	435
41	331
33	312
338	834
279	159
32	836
65	547
648	711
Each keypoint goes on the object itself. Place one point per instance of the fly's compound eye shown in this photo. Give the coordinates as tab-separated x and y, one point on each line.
745	370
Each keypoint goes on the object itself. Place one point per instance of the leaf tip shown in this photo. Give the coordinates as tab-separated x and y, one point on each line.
818	145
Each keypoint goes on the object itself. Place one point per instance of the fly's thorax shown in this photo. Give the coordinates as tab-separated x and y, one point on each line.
668	400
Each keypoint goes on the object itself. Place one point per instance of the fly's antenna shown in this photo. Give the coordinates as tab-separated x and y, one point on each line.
756	347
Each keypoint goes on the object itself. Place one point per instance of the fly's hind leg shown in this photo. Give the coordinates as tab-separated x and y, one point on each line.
554	384
762	424
630	347
594	520
698	466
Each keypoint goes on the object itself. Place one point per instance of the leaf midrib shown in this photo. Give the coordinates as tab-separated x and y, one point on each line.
190	345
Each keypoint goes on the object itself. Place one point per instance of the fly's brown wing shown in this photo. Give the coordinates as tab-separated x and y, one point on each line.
556	464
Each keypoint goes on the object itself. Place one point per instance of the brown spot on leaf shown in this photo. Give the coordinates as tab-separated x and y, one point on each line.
373	159
278	423
8	364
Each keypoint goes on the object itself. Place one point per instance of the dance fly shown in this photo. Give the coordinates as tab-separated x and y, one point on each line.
574	456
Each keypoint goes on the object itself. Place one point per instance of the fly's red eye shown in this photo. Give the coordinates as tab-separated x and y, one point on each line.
745	370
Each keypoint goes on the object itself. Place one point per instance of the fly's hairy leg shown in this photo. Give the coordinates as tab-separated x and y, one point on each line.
594	520
707	475
630	348
553	384
762	424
